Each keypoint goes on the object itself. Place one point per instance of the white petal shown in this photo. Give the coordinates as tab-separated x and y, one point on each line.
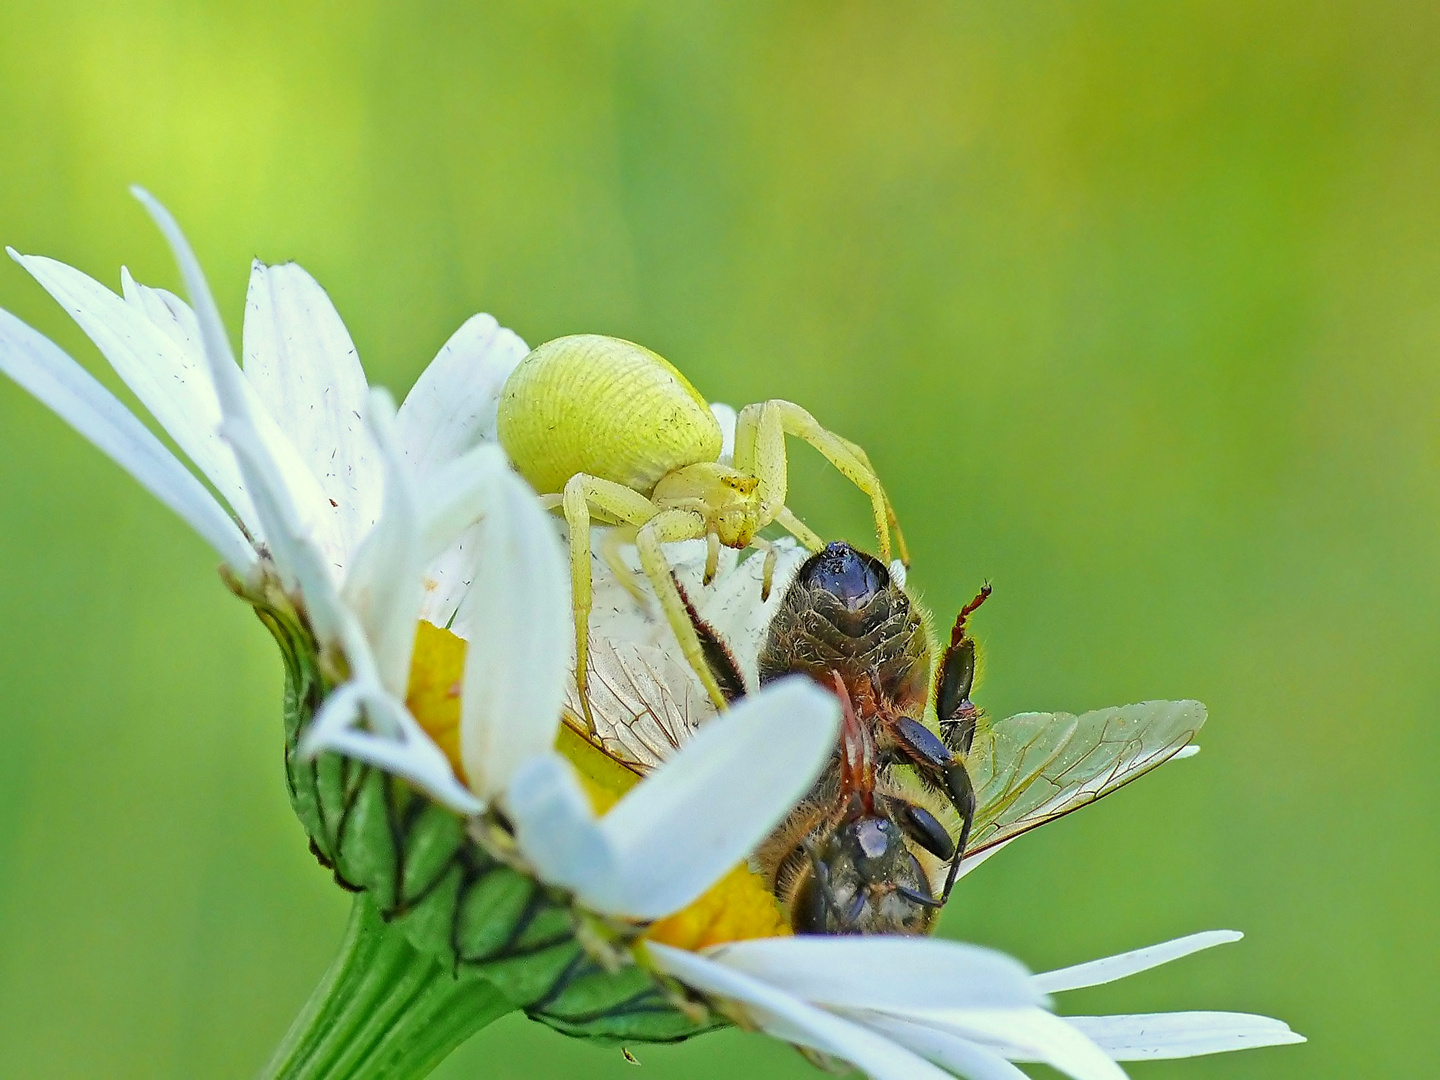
1153	1036
167	313
1111	968
300	360
791	1019
294	485
452	499
518	627
885	972
555	826
452	405
448	578
1026	1035
302	566
707	808
170	381
726	418
404	750
43	368
952	1053
384	586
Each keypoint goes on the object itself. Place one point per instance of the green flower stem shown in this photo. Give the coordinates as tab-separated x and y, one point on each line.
384	1009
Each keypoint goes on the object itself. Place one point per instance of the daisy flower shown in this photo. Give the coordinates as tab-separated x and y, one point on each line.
418	592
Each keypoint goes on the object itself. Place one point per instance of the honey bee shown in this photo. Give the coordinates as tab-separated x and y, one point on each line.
922	786
863	852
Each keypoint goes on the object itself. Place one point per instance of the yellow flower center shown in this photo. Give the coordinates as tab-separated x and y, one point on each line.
736	907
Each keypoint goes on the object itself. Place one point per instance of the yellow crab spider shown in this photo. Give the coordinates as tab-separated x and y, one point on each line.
606	427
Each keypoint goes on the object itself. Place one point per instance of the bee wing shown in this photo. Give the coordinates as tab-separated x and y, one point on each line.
1035	767
645	700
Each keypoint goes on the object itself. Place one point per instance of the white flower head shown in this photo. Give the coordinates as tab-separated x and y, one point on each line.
373	522
372	519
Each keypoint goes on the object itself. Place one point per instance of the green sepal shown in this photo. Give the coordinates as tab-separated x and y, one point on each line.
453	897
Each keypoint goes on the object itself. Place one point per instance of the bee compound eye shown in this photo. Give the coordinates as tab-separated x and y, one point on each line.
874	837
846	574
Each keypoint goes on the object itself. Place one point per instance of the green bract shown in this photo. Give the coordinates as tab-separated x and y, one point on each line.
447	885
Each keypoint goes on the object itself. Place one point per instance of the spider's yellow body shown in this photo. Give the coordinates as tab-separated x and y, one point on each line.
606	426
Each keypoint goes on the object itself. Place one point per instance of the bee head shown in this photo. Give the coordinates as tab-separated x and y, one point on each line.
863	879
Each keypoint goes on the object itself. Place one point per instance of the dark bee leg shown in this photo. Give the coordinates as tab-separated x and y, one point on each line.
931	756
718	657
922	827
960	782
823	894
956	678
917	897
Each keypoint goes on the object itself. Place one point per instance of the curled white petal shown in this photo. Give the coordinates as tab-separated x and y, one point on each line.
556	828
1155	1036
401	747
1110	968
885	972
687	824
516	618
172	382
787	1017
453	404
47	372
454	497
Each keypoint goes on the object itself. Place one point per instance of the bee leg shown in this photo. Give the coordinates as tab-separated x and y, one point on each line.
930	755
917	897
718	657
962	794
921	826
822	895
956	678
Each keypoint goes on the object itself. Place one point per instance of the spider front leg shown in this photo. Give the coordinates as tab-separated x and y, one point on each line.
668	527
760	450
903	550
616	501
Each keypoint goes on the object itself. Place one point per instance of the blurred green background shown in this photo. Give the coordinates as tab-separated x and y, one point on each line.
1136	307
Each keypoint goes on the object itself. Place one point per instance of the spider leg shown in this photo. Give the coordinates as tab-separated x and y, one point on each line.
582	492
667	527
760	434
